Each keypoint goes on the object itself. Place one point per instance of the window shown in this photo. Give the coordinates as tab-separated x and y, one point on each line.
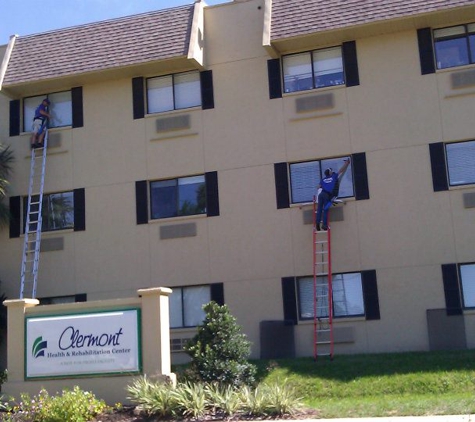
313	69
460	159
57	211
178	197
455	46
186	305
347	295
60	109
173	92
63	299
305	178
467	276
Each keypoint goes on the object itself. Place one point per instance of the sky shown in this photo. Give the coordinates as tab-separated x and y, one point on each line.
26	17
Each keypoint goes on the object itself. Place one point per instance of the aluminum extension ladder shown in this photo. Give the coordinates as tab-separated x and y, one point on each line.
32	241
322	292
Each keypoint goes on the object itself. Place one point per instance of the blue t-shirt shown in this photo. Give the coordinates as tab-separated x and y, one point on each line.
328	183
38	115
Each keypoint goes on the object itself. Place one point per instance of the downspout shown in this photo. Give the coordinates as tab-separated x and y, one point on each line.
6	58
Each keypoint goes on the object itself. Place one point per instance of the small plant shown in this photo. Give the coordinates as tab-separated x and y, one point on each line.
152	397
72	406
219	351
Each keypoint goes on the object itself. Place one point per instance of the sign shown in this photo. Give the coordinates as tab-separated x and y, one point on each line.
83	344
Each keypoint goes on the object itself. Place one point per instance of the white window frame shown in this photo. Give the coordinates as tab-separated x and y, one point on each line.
467	281
60	108
463	35
304	186
173	92
309	69
186	305
460	157
343	285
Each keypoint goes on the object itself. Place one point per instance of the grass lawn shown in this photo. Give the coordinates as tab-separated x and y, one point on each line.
389	384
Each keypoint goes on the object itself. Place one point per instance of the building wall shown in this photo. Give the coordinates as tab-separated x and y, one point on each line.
405	231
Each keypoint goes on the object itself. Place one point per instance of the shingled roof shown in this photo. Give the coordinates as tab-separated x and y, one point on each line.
293	18
100	46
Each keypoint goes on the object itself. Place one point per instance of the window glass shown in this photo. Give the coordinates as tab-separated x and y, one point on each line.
193	300
297	72
467	274
187	90
460	159
176	308
160	94
454	46
177	197
328	67
347	296
57	211
186	305
61	109
29	106
305	178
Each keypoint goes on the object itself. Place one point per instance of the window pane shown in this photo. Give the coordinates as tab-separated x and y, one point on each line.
306	297
304	179
176	308
347	294
193	300
29	106
58	211
451	53
449	32
460	159
61	109
471	40
164	196
297	72
187	90
160	94
346	182
467	273
192	195
328	67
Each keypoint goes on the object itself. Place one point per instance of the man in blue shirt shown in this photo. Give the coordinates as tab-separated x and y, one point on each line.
330	185
39	124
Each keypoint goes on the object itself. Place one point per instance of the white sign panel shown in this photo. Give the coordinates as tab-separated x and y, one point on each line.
83	344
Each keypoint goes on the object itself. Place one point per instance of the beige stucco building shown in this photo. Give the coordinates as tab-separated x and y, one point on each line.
187	143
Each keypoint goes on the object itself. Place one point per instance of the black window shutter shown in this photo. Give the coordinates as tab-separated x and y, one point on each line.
14	117
289	299
274	76
15	216
451	289
207	91
80	297
76	100
360	174
212	194
217	293
141	201
281	185
79	210
370	294
350	62
138	97
426	51
438	166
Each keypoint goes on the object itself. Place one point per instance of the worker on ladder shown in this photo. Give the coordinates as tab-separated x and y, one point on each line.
40	121
329	186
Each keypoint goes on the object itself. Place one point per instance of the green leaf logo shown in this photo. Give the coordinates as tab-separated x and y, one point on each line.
39	347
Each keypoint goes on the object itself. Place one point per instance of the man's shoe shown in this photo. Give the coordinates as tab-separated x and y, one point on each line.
317	226
38	145
324	228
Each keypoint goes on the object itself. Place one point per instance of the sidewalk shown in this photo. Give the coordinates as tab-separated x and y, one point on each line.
445	418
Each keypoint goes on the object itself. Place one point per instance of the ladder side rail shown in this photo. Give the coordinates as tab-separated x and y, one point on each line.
314	236
330	289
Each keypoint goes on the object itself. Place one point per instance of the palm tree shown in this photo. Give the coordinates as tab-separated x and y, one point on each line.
6	160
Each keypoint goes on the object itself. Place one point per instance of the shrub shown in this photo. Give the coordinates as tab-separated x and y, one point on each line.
72	406
219	351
